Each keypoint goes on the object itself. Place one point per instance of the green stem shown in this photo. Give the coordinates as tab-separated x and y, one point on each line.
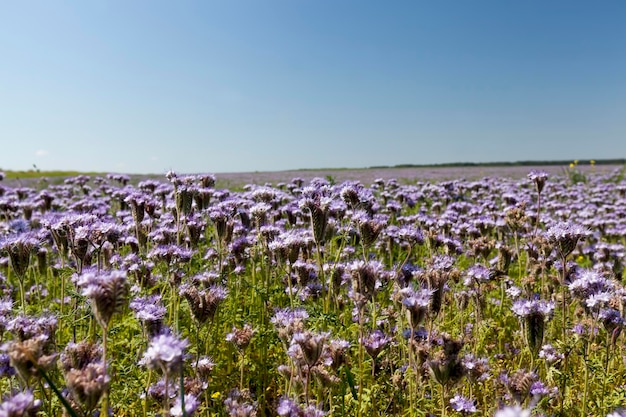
361	359
586	391
606	372
104	410
56	391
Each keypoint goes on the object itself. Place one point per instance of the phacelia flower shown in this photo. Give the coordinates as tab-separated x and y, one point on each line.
165	352
565	237
107	290
22	404
191	405
463	405
241	337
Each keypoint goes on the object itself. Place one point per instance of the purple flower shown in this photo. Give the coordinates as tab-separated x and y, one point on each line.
203	303
241	337
476	274
462	404
19	248
476	369
107	290
524	308
21	404
375	342
550	354
27	327
588	282
191	405
5	366
171	254
150	312
307	347
165	352
539	389
148	309
565	236
288	321
288	408
539	178
238	405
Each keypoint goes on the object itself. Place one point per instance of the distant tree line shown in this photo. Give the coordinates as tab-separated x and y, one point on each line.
621	161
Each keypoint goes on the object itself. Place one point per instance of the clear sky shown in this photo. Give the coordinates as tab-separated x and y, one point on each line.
261	85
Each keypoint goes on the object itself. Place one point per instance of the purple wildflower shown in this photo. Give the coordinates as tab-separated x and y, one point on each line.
239	405
539	178
22	404
375	342
463	405
550	354
5	366
191	405
165	352
150	312
307	346
524	308
19	248
565	237
416	303
476	369
288	321
107	290
288	408
241	337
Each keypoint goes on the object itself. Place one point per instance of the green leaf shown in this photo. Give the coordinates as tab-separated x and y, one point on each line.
350	379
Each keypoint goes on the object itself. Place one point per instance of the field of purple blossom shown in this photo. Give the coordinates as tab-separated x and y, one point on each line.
345	294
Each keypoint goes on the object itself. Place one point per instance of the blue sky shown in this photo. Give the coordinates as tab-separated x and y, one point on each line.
262	85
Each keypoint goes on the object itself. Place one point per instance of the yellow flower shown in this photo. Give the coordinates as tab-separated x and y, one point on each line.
592	162
571	165
216	395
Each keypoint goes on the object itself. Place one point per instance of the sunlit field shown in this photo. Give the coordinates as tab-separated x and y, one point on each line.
487	295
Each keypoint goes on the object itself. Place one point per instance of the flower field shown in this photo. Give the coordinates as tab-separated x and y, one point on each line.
174	297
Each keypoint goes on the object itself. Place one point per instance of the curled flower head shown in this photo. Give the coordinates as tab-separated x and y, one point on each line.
19	248
416	304
289	321
165	352
29	356
241	337
108	292
308	346
565	237
87	384
150	312
375	342
203	302
239	404
539	178
534	313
